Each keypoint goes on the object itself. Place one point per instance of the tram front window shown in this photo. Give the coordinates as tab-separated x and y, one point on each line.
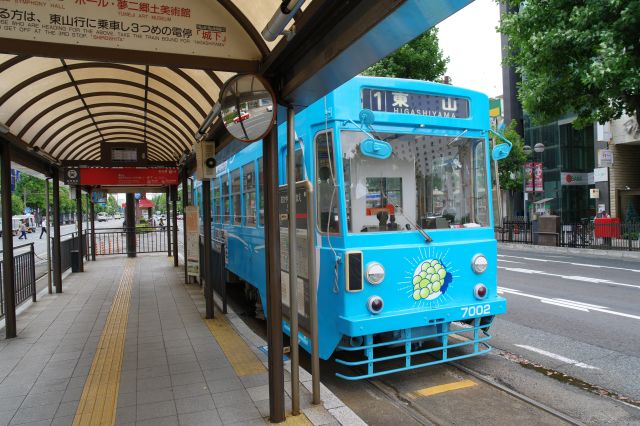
436	182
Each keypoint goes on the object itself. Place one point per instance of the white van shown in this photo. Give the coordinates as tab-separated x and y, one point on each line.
102	217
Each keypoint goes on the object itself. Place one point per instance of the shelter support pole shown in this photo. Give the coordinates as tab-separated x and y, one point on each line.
79	225
86	255
130	220
174	207
92	214
274	289
293	270
206	223
7	244
48	225
57	260
185	203
168	221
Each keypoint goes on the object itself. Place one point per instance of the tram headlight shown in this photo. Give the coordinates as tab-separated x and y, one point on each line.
479	263
375	304
375	273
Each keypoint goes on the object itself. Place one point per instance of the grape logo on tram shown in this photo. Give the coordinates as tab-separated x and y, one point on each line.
430	280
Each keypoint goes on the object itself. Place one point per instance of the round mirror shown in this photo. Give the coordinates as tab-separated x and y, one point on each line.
248	107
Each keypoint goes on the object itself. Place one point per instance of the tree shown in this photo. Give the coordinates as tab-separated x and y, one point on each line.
576	56
510	169
17	206
419	59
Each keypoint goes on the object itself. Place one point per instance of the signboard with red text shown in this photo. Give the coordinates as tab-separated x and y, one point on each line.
128	176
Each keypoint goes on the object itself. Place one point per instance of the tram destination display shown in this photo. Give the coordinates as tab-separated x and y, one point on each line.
415	103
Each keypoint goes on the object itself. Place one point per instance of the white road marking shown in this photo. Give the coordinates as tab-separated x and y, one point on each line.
509	261
558	357
568	303
568	277
588	265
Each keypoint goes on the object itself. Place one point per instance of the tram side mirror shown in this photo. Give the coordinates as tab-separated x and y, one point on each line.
376	148
500	151
248	107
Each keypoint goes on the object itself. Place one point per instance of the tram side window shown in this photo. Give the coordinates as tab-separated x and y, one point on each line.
249	194
225	198
326	189
235	194
216	200
261	192
299	166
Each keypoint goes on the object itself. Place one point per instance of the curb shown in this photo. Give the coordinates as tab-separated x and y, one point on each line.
611	254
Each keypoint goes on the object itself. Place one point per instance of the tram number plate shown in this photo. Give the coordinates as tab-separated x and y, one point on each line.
474	311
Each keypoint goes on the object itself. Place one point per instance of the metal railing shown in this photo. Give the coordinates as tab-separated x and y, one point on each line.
149	239
585	234
68	243
24	276
516	231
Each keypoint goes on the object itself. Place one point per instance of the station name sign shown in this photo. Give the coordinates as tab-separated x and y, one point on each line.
415	103
128	176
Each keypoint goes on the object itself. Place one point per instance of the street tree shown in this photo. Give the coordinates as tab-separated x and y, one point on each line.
420	59
510	169
576	57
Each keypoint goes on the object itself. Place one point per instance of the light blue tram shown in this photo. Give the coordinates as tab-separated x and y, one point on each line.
404	241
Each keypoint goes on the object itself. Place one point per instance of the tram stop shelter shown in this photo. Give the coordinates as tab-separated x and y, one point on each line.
103	88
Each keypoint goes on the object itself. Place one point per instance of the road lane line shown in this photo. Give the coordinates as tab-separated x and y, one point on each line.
558	357
568	277
571	263
564	305
509	261
502	290
435	390
584	305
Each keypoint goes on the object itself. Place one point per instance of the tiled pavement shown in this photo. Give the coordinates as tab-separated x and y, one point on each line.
173	369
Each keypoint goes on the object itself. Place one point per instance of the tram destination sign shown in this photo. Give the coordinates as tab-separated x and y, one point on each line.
415	103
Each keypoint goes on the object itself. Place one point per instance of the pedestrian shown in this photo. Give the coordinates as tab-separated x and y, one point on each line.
161	223
43	224
23	230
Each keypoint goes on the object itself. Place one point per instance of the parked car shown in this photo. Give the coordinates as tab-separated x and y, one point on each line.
117	216
243	116
102	217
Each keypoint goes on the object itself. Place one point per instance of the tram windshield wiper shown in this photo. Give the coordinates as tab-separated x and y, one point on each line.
426	236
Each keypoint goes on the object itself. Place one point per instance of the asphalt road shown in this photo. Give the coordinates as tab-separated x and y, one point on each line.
576	314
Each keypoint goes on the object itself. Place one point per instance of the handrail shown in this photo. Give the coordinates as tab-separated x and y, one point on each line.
18	247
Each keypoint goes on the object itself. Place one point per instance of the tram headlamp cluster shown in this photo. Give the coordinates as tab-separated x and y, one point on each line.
479	263
375	273
480	291
375	304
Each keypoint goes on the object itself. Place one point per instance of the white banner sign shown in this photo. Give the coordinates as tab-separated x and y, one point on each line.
605	158
601	174
193	240
574	179
191	27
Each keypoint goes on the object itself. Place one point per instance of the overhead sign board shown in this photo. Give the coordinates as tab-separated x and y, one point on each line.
191	27
415	103
129	176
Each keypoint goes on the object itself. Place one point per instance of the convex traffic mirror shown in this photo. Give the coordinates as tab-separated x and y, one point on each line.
248	107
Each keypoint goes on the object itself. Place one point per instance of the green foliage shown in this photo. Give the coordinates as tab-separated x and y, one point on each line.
510	169
576	56
161	203
17	206
420	59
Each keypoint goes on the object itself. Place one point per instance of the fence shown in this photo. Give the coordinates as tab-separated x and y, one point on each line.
608	236
24	276
149	239
69	242
517	231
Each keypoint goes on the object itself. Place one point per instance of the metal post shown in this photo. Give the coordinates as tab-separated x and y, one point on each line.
174	206
32	254
274	289
7	244
79	222
168	221
293	270
48	224
313	299
130	220
86	255
206	223
57	260
92	213
185	203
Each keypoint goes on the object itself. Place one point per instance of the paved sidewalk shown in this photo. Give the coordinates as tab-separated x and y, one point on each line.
611	254
137	321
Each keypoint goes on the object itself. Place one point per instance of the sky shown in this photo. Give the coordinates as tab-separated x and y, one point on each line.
470	40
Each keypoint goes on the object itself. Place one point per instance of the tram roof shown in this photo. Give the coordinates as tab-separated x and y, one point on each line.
63	101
